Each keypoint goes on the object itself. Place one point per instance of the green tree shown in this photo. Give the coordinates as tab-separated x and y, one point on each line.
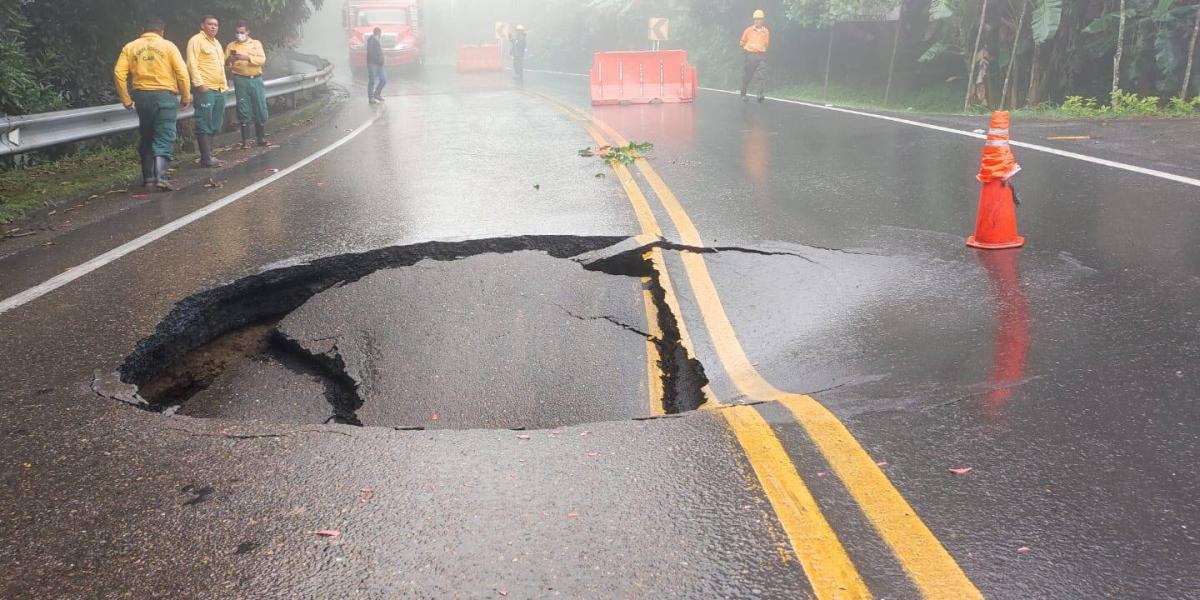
69	47
22	89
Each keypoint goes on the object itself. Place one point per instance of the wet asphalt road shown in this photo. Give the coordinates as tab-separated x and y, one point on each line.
1064	373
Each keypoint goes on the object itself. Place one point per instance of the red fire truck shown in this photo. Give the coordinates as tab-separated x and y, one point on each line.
402	39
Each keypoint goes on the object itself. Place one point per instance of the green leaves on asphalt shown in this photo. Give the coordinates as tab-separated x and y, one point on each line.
619	154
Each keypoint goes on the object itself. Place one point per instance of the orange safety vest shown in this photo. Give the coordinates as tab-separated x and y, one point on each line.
756	40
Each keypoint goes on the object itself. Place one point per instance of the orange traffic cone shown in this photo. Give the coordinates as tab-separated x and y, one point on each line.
996	223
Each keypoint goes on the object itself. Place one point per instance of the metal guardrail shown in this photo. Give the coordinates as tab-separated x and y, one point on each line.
25	133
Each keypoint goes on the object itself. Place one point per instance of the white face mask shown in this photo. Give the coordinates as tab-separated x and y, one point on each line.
241	37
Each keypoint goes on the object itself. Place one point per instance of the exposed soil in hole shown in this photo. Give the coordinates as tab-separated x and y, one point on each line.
221	353
197	369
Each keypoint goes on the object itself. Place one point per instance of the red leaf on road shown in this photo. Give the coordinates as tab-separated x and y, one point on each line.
1023	550
502	592
882	463
961	470
367	490
434	417
329	533
593	454
523	436
572	515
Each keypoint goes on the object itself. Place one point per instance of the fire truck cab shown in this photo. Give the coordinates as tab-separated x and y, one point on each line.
402	40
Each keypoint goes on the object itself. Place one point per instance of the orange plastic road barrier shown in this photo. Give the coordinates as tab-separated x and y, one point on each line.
996	223
484	57
643	77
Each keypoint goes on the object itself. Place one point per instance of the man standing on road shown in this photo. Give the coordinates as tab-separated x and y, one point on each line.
518	42
755	41
158	74
245	56
376	71
206	65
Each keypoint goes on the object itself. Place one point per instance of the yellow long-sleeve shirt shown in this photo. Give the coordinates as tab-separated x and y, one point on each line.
155	64
206	62
252	48
756	39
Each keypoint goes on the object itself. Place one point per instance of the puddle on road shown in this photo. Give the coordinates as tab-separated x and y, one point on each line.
558	339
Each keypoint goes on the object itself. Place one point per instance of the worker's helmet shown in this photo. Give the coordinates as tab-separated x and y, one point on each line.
520	28
759	14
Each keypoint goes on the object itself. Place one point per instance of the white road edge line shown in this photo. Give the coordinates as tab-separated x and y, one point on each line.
76	272
1055	151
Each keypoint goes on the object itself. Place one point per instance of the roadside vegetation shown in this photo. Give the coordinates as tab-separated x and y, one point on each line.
95	172
944	100
56	54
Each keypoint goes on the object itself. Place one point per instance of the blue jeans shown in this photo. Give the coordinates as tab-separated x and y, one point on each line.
376	79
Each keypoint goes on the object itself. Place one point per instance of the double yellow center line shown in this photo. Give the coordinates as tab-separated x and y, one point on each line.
830	571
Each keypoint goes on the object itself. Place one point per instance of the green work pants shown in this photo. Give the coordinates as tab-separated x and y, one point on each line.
210	111
251	99
156	111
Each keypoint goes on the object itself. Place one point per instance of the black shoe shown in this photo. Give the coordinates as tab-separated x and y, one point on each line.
260	135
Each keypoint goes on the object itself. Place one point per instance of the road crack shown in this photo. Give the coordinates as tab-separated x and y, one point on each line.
610	319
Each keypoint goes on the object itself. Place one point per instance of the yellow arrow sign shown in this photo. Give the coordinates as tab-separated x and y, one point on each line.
660	29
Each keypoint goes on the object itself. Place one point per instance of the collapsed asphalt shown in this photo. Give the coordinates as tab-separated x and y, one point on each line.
401	337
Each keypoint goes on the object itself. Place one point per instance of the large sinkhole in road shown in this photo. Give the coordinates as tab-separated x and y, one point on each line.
522	332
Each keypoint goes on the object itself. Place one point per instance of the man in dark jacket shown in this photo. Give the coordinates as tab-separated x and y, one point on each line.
518	42
376	73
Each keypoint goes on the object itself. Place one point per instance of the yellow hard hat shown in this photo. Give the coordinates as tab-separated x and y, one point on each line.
759	14
520	28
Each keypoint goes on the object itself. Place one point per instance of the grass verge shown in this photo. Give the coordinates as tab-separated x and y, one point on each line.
947	99
25	190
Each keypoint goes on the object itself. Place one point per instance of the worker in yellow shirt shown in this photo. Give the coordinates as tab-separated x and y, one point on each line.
206	66
755	41
245	57
158	74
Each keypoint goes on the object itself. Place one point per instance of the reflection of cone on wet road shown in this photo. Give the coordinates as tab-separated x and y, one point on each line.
996	223
1010	342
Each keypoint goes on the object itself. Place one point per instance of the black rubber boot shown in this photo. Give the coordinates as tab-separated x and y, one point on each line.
161	163
260	134
148	177
245	135
205	150
205	140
